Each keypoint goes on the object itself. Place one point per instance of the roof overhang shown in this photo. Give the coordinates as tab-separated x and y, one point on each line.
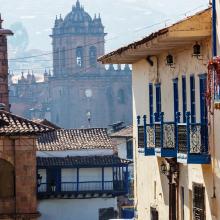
179	35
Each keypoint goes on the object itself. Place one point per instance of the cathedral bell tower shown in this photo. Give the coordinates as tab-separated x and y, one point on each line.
77	40
4	93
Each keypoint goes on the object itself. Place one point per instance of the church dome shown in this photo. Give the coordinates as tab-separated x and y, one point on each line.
77	16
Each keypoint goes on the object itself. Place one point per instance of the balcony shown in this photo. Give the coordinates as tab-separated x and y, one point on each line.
187	142
85	189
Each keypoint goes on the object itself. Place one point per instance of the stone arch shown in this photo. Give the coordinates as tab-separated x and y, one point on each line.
7	179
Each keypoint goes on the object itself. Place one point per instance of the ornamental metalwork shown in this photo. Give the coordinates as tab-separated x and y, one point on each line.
169	135
150	137
195	139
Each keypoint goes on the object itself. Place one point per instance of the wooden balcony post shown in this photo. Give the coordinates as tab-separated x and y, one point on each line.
103	179
77	180
145	132
188	131
161	128
177	120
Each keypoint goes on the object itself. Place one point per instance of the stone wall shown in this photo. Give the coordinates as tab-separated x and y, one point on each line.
20	153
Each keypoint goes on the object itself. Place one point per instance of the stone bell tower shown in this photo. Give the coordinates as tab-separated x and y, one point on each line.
4	94
78	40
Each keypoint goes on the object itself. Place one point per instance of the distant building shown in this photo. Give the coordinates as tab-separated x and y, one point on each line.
81	175
80	92
176	120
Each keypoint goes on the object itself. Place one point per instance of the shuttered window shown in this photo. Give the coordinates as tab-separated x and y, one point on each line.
198	202
158	101
193	99
151	103
175	97
184	99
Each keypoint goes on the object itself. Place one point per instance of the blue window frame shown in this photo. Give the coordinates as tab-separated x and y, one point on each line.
175	97
158	101
184	98
192	99
151	103
203	108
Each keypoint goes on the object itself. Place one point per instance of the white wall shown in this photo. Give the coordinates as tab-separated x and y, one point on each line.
74	209
87	152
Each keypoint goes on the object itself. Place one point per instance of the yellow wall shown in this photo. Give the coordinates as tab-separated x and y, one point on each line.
147	173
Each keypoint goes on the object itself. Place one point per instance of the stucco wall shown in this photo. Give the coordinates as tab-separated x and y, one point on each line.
78	209
87	152
151	187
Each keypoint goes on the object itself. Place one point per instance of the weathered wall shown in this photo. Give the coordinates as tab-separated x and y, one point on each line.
20	152
80	209
151	187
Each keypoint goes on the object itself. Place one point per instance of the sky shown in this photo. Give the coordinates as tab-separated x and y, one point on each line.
124	20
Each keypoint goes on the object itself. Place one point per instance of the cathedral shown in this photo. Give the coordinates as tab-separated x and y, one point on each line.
79	92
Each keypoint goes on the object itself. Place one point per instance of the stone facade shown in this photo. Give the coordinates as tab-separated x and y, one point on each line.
80	92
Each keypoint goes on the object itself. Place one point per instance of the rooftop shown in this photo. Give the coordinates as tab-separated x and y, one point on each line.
180	34
81	161
123	133
75	139
11	125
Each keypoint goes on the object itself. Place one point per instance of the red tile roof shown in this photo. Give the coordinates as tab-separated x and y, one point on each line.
11	124
124	133
74	139
81	161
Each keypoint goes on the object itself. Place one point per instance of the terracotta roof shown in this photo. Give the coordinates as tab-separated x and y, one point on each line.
11	124
146	39
46	122
125	132
81	161
74	139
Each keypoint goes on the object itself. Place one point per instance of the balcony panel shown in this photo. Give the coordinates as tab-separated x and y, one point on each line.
150	134
90	187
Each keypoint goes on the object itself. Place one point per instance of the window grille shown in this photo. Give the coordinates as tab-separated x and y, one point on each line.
198	202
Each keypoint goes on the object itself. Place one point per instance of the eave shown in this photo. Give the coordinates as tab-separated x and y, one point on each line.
179	35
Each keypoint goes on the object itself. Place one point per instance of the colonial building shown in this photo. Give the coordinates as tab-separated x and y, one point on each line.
176	120
17	152
80	92
80	174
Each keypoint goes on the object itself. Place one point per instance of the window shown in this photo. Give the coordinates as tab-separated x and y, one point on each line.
151	103
158	101
93	56
182	203
175	97
121	96
193	99
203	109
184	98
53	179
79	56
63	57
198	202
154	214
130	149
6	180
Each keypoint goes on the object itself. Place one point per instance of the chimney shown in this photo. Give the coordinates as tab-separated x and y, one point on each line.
4	93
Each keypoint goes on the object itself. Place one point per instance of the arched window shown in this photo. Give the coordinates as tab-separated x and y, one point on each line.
92	56
6	180
79	56
121	96
63	57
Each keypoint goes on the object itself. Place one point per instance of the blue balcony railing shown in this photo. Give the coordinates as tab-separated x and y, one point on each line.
83	187
187	142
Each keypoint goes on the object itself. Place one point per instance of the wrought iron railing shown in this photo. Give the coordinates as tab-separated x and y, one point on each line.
86	186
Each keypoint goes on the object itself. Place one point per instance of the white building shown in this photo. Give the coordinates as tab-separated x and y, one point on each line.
81	177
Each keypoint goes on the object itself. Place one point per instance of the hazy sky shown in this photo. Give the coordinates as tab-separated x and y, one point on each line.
123	19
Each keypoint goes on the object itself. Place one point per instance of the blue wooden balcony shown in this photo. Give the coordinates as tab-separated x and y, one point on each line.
188	142
193	143
85	189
